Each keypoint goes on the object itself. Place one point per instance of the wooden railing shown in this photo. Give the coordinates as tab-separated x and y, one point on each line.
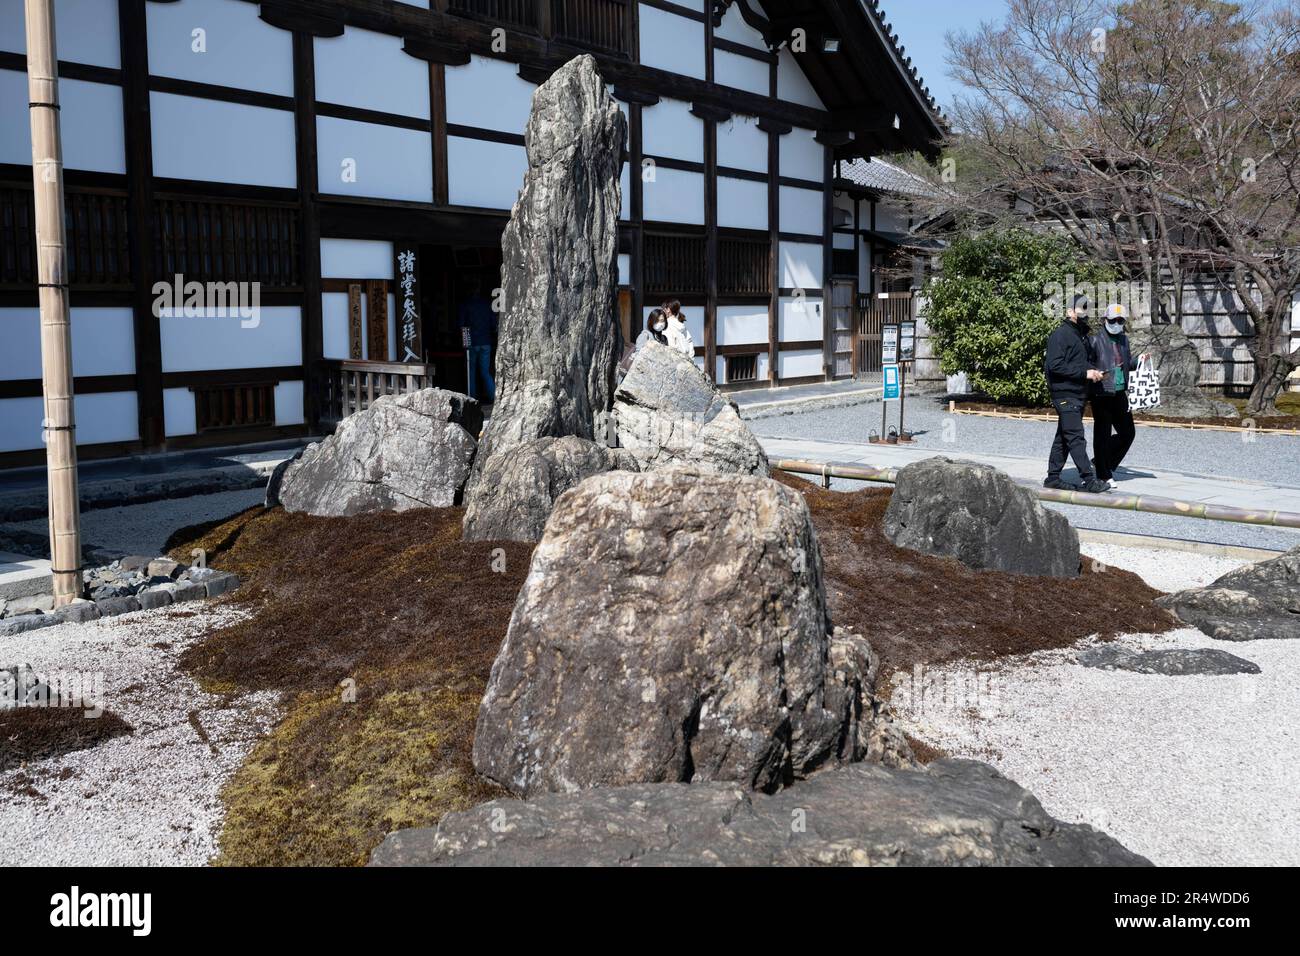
351	386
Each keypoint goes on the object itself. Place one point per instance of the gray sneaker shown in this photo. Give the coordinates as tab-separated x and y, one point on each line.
1096	486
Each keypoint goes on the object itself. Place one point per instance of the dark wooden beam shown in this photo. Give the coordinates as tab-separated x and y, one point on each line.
312	22
828	261
774	237
436	51
313	334
438	116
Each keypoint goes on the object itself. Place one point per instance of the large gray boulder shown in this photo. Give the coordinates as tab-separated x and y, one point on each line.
527	482
1256	602
673	627
411	451
981	517
953	813
559	339
667	412
1178	362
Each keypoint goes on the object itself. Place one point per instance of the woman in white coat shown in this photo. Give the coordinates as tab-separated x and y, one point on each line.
679	336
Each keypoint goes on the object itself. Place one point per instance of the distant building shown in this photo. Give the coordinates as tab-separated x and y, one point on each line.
344	169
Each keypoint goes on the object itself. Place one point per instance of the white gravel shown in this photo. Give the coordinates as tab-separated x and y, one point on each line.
149	798
1185	770
144	528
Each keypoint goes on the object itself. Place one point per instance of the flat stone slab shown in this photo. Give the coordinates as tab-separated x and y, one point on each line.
1174	662
953	813
23	576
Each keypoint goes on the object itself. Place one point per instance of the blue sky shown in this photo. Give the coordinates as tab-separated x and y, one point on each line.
921	26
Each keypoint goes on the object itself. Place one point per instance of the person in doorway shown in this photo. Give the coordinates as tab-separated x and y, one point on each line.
1112	422
679	336
1070	371
478	323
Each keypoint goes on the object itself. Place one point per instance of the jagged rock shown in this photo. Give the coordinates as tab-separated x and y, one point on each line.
410	451
1171	662
673	627
276	481
519	489
1178	362
1255	602
953	813
667	412
559	339
981	517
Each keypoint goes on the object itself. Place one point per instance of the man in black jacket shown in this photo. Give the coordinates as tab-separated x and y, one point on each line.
1068	366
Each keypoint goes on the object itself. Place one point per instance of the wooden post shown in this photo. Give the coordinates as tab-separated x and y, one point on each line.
60	428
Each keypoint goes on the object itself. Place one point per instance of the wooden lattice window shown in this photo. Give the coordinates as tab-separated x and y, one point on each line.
596	23
742	368
234	406
675	264
98	238
519	13
215	240
744	266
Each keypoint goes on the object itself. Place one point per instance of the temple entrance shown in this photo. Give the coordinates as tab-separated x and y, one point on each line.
448	276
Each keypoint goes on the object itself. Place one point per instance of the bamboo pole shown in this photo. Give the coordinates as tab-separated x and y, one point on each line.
1149	504
59	426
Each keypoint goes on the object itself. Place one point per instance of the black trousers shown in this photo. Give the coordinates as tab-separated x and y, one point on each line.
1112	432
1070	438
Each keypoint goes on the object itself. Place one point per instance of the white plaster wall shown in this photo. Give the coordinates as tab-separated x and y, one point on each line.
741	72
369	71
801	265
482	173
669	129
489	94
674	196
356	259
382	162
742	324
733	27
624	269
101	417
670	42
199	343
221	142
843	240
103	342
178	412
90	120
85	31
801	211
625	193
237	48
800	320
334	325
791	83
802	157
288	403
742	204
798	364
742	145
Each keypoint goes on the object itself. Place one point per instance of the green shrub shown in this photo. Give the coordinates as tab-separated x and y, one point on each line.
987	310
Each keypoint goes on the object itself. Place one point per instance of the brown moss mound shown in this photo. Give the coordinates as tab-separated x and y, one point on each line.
918	609
29	734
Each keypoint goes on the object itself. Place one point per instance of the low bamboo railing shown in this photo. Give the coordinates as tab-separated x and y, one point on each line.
350	386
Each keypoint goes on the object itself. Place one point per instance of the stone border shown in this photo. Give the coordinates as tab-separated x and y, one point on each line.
798	406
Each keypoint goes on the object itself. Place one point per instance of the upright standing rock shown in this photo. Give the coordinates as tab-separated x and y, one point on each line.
559	337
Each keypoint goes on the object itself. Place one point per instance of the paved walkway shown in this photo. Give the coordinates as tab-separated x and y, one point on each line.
1184	486
761	402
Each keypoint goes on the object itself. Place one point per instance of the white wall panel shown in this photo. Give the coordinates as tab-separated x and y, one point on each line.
742	145
741	72
236	48
379	162
669	129
844	240
624	269
178	412
802	157
800	320
489	94
674	196
356	259
801	265
482	173
197	343
86	31
625	193
334	325
798	364
101	417
742	204
20	423
288	403
791	83
221	142
801	211
103	342
742	325
90	119
670	42
733	27
370	71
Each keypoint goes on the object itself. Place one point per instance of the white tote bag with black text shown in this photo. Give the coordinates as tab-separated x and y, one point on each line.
1144	386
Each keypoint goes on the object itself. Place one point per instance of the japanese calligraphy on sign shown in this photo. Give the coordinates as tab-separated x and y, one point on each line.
408	303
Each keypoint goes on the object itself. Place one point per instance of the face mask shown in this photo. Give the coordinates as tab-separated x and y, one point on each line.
660	326
1114	328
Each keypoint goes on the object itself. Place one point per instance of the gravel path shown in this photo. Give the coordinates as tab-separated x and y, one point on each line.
149	798
143	528
1185	770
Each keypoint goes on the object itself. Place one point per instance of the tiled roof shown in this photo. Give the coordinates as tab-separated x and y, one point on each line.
901	51
884	177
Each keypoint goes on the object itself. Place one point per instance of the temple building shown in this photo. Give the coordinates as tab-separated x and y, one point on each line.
276	209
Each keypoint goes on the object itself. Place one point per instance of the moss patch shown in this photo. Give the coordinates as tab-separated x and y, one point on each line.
28	734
